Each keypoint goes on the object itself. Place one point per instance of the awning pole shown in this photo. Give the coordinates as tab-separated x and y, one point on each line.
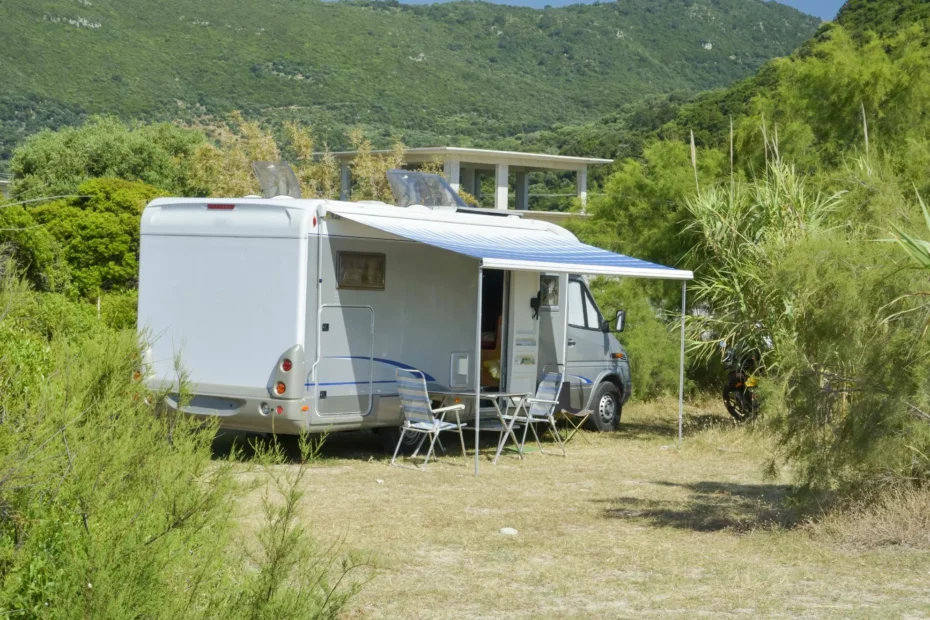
478	366
681	369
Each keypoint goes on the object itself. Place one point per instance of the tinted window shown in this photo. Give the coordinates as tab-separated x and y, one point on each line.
576	303
364	271
593	316
549	289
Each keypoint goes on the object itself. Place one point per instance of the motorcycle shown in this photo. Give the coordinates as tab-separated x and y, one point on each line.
740	395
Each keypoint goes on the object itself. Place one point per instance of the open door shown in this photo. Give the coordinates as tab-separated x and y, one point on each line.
523	332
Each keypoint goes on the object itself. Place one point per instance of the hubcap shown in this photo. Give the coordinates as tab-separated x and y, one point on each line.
607	408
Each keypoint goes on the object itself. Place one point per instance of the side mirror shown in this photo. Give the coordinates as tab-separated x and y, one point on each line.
621	320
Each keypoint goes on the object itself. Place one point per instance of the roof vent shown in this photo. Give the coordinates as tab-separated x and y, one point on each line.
276	179
422	188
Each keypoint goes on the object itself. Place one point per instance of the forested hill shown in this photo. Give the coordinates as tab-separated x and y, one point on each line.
458	69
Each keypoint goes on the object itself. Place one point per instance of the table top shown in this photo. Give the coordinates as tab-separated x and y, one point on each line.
471	394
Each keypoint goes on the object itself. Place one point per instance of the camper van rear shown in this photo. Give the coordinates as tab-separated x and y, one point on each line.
223	296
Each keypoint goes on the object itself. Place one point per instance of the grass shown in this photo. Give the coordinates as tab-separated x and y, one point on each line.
628	525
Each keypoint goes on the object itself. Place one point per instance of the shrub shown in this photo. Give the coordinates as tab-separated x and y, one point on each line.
898	516
112	507
57	163
119	310
654	351
98	236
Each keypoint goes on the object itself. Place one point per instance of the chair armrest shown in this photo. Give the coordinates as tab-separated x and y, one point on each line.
540	400
459	407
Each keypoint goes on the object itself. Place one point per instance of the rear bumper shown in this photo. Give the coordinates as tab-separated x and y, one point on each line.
244	413
238	408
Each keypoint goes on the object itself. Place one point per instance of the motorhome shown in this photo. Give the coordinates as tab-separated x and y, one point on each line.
291	315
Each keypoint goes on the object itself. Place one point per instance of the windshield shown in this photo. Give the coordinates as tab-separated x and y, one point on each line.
422	188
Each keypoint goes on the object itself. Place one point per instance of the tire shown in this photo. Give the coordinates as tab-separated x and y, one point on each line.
607	408
389	436
742	403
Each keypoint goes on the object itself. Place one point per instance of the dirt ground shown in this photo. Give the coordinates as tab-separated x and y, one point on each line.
629	525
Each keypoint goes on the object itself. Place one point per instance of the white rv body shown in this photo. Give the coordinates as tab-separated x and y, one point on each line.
231	288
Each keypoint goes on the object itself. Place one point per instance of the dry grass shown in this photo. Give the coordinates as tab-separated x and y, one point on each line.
629	525
897	516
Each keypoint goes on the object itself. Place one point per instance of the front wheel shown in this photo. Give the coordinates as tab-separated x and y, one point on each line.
607	408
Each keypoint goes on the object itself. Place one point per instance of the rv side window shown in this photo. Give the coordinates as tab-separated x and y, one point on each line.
591	314
575	304
361	271
549	289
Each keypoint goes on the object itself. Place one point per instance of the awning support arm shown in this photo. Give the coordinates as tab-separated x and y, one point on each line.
681	369
478	366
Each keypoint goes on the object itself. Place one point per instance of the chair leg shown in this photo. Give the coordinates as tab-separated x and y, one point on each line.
538	441
419	445
432	444
555	431
462	439
442	448
399	441
526	429
575	428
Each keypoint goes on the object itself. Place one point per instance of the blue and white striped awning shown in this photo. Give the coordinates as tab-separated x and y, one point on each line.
522	246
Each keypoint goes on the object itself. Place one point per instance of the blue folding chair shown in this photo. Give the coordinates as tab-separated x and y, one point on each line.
542	408
419	415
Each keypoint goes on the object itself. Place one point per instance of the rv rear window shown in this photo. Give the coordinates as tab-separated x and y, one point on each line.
363	271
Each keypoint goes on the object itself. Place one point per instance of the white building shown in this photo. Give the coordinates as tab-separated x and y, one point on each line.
464	168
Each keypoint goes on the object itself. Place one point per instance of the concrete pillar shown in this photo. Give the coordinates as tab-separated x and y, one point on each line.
345	183
468	180
583	187
450	169
501	186
523	191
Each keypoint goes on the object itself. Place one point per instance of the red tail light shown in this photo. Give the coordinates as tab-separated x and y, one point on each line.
221	207
280	388
286	365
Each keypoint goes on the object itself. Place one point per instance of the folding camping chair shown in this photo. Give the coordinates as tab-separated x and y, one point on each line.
419	415
576	420
541	408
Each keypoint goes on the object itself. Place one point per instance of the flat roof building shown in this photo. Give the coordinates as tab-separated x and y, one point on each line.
464	167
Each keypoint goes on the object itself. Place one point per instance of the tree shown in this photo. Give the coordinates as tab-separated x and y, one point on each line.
56	163
98	236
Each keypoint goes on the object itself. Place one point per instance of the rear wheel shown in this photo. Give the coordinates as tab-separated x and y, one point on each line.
389	436
742	402
607	408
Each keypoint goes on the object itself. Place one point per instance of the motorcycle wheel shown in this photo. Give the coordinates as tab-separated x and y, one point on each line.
741	402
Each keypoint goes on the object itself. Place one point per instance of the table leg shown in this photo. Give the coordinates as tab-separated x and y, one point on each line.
508	431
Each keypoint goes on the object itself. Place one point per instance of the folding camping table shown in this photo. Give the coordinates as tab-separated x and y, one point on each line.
496	399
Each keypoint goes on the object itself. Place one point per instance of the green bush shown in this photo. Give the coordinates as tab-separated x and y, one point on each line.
98	236
34	249
848	403
119	310
113	506
654	351
57	163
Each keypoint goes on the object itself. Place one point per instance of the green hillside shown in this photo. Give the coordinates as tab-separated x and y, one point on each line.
467	69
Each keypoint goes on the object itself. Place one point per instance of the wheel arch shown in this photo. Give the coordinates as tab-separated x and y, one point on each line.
606	377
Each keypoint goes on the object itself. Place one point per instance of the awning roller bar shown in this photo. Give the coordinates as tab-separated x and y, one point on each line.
513	247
